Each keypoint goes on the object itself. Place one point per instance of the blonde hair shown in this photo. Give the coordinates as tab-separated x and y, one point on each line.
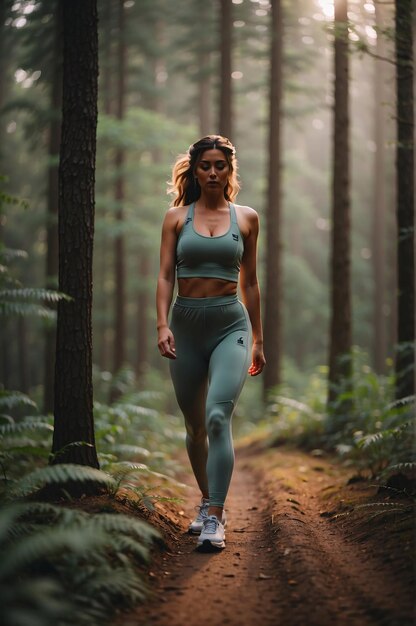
184	185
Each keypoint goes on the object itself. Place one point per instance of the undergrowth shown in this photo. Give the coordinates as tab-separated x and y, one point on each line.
61	565
376	437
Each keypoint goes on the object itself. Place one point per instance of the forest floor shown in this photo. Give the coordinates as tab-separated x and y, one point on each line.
298	551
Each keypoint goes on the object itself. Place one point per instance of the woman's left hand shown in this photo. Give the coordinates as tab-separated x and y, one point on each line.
258	360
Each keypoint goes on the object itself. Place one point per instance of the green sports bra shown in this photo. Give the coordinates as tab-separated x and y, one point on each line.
201	256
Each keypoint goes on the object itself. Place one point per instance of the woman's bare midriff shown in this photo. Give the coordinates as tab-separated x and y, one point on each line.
205	287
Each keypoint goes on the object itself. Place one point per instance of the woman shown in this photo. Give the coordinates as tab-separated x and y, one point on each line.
212	336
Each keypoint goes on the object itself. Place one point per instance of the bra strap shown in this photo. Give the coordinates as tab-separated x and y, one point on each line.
191	210
233	214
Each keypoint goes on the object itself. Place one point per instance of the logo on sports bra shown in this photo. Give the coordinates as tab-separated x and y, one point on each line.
235	237
188	219
240	340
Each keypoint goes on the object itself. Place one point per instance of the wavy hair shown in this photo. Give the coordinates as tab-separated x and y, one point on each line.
184	185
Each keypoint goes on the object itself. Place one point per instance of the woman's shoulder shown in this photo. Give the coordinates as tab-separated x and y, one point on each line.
246	211
175	216
247	217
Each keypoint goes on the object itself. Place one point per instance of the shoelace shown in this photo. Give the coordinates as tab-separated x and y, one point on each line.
202	511
211	524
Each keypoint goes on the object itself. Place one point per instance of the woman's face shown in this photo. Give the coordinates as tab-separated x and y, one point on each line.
212	170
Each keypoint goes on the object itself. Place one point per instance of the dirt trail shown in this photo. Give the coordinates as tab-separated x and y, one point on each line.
284	562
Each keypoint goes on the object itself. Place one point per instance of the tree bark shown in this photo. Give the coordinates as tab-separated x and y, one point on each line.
405	353
120	288
225	121
379	206
204	77
340	329
73	372
143	313
273	317
105	264
52	207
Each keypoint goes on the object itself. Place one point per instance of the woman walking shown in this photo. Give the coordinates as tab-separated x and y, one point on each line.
213	337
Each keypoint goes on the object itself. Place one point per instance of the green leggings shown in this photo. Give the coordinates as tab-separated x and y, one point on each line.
213	350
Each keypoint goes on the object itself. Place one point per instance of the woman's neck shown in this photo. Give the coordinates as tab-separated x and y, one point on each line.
212	201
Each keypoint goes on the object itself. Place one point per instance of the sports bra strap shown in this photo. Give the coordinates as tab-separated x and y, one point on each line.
233	214
191	211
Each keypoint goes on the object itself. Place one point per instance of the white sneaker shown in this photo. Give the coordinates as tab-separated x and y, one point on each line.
195	527
212	536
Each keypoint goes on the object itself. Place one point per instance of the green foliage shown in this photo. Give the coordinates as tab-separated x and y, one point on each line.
56	552
59	474
375	437
16	300
127	433
64	566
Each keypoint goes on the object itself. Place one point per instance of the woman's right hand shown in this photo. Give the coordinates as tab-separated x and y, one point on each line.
166	342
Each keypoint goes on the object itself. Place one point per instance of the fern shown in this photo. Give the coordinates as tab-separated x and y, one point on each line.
10	254
35	602
58	474
91	559
42	545
401	402
16	428
74	444
24	309
29	448
125	525
30	293
116	583
124	469
7	419
13	399
383	505
131	450
401	467
301	407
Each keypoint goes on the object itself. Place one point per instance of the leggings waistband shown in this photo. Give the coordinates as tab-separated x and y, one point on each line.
203	302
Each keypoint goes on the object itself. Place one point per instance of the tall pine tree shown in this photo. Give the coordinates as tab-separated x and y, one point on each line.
73	372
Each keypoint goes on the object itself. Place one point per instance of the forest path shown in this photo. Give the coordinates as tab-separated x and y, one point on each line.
284	561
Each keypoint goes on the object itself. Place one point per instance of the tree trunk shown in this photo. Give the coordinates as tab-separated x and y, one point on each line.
225	122
142	317
204	78
105	264
379	207
52	207
273	317
405	354
120	288
340	330
204	94
73	373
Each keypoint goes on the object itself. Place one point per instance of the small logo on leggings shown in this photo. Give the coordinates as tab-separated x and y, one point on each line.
240	340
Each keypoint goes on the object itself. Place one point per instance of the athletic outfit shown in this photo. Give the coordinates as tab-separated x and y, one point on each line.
213	349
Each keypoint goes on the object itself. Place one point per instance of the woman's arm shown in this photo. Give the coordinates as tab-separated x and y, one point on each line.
165	284
251	293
